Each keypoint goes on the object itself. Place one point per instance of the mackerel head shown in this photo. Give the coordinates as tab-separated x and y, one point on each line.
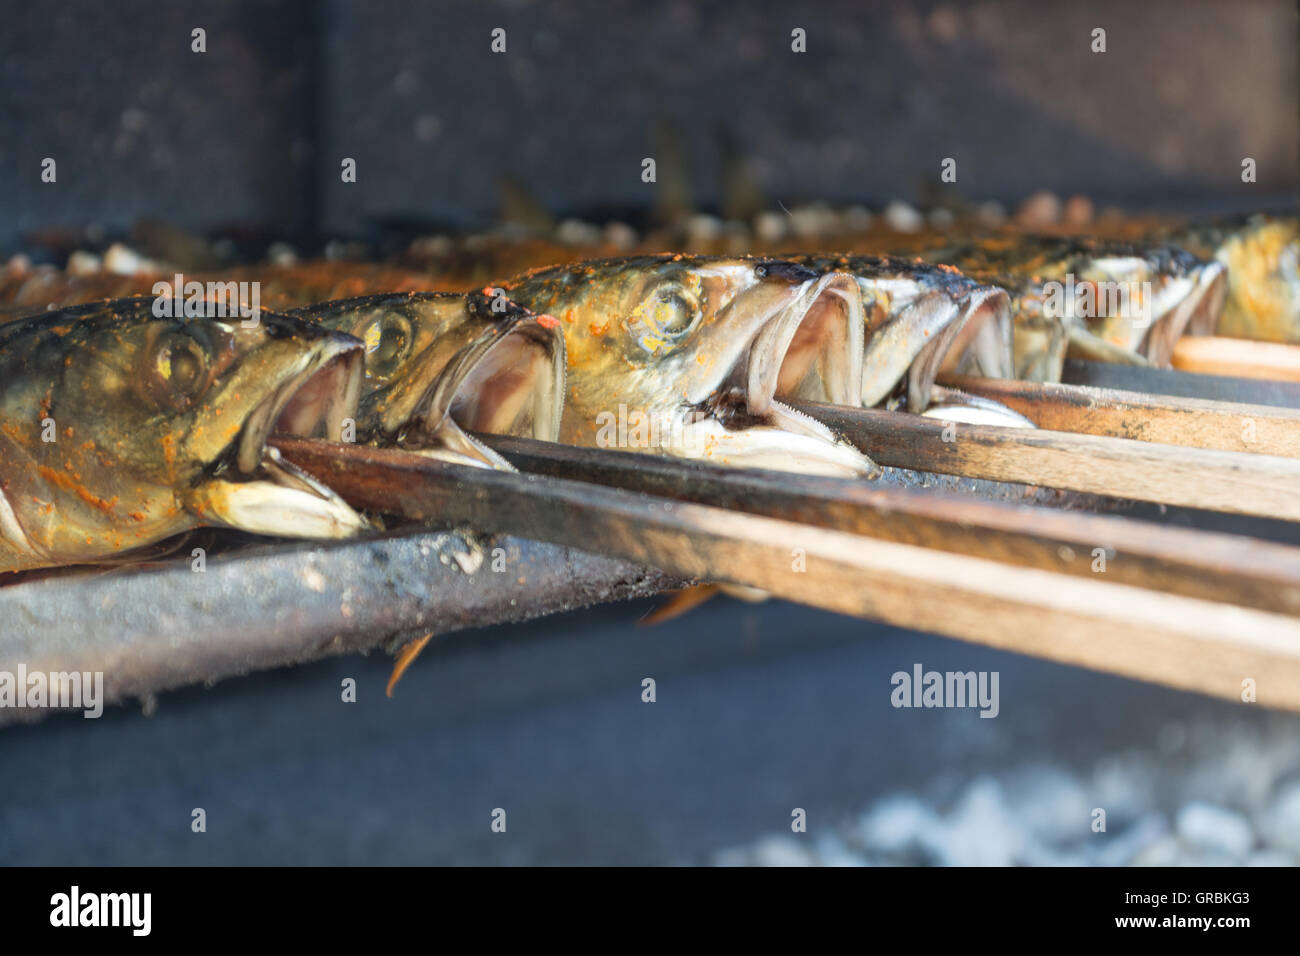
691	356
923	319
1104	300
440	366
1262	256
119	429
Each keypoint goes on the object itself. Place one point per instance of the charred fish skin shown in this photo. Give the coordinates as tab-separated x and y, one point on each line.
119	428
1102	299
35	288
922	319
440	365
1262	256
1038	339
689	356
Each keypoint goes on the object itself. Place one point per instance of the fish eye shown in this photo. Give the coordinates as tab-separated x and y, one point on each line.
177	369
671	311
388	342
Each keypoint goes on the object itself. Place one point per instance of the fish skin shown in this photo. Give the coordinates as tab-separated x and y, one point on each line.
923	318
330	292
441	364
703	347
1187	293
155	421
25	290
1262	256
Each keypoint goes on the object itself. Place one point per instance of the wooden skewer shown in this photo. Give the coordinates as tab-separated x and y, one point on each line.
1198	423
1220	567
1262	485
1179	641
1241	358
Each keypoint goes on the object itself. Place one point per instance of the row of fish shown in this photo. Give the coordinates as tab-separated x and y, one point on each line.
1257	257
119	427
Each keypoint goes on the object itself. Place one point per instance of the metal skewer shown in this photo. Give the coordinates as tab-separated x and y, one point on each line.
1165	381
158	627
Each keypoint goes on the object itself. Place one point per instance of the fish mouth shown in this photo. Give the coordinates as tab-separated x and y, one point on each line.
312	401
937	332
978	342
1187	304
981	343
808	346
270	496
506	382
811	349
1191	311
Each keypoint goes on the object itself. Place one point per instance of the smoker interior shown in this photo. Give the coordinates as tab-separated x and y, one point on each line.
760	709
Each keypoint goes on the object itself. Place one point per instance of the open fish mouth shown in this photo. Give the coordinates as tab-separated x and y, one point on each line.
270	496
923	320
971	336
311	402
808	349
939	333
808	346
507	382
981	342
1187	304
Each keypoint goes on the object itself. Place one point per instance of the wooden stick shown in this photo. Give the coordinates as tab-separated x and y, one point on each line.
1263	485
1241	358
1179	641
1198	423
1220	567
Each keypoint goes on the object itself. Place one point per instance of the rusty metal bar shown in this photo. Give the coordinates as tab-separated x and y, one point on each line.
153	629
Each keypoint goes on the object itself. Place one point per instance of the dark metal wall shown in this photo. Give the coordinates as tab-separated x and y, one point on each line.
254	129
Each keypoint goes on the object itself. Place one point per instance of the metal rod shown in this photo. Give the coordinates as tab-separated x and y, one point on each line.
152	629
1164	381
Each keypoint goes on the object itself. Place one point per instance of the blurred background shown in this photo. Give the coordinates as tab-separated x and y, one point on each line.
254	130
760	709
